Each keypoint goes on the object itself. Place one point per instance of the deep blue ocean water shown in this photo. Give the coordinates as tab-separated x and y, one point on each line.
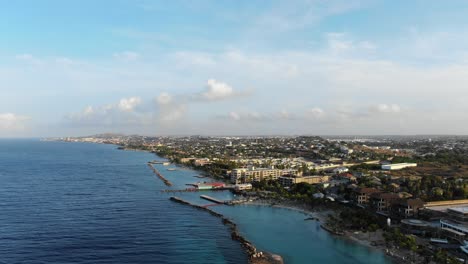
90	203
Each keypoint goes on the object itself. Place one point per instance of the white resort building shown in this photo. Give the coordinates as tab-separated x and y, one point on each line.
252	174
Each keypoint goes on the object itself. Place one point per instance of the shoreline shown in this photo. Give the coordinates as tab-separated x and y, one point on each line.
358	237
319	215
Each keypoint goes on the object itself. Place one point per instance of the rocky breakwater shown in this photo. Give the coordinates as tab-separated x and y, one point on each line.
255	256
160	176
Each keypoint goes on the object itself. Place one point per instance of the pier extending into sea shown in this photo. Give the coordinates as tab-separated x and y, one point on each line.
211	199
255	256
191	190
160	176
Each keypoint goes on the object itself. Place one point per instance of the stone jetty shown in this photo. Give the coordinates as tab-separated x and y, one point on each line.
160	176
255	257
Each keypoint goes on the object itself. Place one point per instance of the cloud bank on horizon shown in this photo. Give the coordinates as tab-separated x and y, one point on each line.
233	68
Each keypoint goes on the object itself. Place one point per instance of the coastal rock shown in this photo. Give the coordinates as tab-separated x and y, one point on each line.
254	256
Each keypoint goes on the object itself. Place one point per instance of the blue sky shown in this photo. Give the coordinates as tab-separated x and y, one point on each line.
233	67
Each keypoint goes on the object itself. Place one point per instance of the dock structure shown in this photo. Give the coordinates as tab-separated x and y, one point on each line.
190	190
160	176
209	198
183	190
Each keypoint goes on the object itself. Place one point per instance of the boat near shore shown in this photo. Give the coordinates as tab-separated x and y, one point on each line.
165	163
155	162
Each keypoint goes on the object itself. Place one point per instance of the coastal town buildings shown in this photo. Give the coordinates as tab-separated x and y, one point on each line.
364	177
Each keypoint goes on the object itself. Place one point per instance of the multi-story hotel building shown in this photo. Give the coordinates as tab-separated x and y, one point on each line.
252	174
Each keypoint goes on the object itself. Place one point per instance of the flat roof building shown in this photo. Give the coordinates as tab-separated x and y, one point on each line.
454	230
398	166
459	214
454	217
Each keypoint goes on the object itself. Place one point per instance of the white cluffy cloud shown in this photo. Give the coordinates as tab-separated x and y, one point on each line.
175	107
129	104
11	121
167	108
122	112
216	90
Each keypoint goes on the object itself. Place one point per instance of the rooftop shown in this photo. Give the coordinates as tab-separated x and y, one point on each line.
460	210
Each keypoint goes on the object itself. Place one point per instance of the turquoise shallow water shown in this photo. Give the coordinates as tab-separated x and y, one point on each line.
89	203
285	232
